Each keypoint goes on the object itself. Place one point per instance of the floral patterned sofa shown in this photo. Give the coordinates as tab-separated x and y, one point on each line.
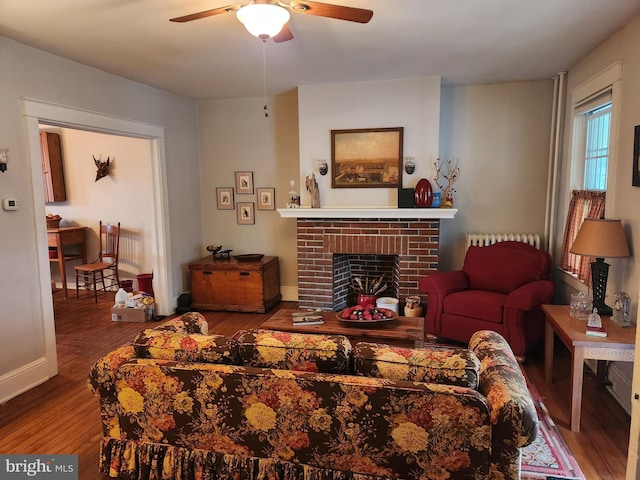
177	403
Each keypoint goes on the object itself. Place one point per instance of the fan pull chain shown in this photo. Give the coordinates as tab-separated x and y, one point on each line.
264	76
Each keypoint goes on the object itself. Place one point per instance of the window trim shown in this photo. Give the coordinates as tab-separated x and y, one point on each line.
609	78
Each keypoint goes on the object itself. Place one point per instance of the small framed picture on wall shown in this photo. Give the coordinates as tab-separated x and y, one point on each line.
246	213
225	198
244	182
266	198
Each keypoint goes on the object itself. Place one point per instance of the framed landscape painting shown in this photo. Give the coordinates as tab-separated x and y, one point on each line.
366	158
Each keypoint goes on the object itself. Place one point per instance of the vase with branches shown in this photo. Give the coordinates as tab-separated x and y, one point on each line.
447	172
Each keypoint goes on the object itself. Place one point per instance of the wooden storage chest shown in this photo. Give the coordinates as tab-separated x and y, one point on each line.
231	285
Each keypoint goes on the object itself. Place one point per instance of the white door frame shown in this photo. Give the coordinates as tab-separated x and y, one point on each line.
38	111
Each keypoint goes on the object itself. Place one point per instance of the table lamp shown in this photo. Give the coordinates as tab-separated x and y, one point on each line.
599	237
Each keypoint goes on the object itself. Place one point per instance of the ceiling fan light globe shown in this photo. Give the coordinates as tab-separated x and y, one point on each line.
263	20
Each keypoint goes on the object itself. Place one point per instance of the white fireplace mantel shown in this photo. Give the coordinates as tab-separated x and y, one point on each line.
368	212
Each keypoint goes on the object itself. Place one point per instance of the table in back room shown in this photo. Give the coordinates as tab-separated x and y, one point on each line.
62	238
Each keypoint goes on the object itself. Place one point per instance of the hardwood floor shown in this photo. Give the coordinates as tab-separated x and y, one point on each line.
61	415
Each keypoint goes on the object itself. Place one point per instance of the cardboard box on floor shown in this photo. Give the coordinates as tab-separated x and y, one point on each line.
119	314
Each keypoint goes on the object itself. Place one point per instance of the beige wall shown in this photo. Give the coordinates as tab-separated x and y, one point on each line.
236	136
500	134
413	104
26	315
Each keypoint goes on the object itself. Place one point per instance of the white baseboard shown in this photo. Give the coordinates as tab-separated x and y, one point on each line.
22	379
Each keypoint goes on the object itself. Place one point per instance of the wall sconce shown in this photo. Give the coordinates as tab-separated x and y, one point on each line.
323	168
409	165
4	159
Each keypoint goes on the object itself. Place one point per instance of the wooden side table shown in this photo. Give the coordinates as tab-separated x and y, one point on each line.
618	345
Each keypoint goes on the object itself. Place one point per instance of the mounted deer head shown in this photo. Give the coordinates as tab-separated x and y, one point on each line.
103	168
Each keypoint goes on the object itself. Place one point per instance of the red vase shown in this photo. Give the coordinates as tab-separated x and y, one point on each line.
366	299
423	194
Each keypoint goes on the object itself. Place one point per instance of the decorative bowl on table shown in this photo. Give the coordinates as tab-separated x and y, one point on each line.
366	314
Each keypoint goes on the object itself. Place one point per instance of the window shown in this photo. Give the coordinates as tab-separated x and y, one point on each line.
593	110
596	157
592	128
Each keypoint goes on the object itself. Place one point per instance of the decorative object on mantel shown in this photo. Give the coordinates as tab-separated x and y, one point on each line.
412	307
449	171
323	168
312	188
103	168
294	198
409	165
423	194
437	200
366	158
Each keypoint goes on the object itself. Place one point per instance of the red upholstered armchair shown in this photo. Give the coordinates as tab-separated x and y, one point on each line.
500	287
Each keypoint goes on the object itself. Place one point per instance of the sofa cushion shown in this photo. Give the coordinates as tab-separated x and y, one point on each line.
184	347
483	305
295	351
435	364
189	322
484	267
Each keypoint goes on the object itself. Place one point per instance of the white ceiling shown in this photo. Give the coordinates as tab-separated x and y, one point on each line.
464	41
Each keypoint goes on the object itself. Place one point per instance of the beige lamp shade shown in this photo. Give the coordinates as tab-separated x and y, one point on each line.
599	237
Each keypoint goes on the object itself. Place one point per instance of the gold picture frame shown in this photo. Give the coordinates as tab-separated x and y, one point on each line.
367	158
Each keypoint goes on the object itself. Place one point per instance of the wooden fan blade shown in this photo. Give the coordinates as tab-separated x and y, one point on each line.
206	13
284	36
351	14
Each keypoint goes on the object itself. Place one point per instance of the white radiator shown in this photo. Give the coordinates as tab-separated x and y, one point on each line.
484	239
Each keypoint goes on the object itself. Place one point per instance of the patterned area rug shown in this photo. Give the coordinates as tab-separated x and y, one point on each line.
548	457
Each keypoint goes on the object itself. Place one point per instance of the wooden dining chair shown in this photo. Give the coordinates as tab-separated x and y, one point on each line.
103	268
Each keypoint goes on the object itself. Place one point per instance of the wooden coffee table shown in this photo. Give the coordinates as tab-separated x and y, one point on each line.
401	330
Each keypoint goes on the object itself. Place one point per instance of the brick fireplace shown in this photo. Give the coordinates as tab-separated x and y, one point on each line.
412	242
406	238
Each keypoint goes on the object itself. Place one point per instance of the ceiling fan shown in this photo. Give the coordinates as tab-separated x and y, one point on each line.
268	18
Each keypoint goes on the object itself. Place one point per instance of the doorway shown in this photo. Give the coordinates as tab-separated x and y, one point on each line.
38	112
